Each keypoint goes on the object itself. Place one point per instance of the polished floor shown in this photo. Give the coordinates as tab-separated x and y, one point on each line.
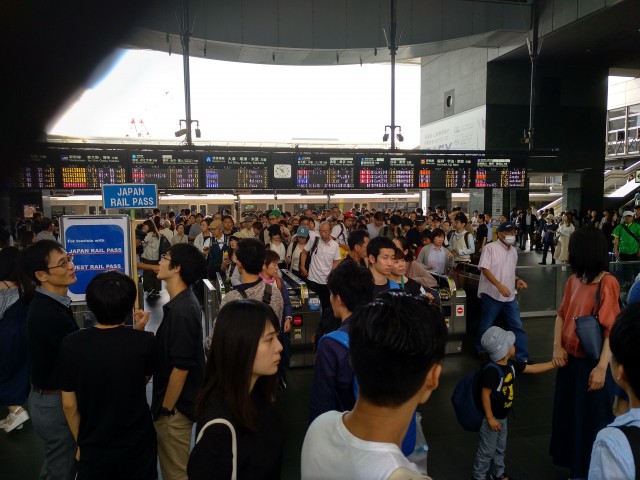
451	449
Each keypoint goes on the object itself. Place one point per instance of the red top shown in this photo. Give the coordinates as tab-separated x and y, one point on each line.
578	301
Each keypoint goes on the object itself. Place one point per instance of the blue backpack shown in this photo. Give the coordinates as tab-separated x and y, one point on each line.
409	442
466	398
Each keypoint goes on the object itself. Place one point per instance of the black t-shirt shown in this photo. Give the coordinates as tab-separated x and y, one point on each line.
259	452
481	233
490	378
180	345
106	368
378	289
48	322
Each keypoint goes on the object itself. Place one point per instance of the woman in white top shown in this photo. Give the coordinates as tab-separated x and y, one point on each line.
295	249
275	244
151	256
565	230
203	241
179	235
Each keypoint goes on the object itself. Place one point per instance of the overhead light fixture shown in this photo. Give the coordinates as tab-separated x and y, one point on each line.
399	135
385	137
199	133
181	132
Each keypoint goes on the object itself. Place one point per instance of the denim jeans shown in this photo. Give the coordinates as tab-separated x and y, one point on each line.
489	311
492	446
51	427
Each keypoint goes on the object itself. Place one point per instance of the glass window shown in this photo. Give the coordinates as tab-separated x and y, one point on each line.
617	124
618	112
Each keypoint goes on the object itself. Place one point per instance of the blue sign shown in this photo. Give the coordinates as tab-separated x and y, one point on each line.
130	195
95	249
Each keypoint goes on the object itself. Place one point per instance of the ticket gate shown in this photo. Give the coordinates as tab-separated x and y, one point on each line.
453	302
306	318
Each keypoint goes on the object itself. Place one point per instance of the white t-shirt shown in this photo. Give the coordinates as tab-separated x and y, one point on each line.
340	234
322	260
330	451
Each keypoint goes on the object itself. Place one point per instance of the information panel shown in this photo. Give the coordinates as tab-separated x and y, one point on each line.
236	170
98	243
36	172
387	172
325	172
91	169
498	173
443	173
177	170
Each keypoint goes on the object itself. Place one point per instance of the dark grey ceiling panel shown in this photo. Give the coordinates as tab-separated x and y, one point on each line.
260	22
329	24
293	23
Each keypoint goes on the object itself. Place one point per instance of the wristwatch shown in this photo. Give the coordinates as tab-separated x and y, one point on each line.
165	412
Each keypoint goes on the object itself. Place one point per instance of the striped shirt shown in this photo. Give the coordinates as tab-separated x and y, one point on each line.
501	261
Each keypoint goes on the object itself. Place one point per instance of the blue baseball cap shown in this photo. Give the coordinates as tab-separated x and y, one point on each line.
302	231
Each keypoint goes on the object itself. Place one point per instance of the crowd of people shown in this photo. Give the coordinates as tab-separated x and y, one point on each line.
379	348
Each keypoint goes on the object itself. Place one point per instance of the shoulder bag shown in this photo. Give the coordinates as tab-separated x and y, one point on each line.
589	330
234	443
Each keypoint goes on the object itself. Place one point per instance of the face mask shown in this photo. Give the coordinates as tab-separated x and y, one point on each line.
510	239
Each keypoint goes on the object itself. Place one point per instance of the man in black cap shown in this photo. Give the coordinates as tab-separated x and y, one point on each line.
496	290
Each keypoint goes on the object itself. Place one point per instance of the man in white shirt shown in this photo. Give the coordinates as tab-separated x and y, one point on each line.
166	231
47	231
325	257
461	243
496	289
392	381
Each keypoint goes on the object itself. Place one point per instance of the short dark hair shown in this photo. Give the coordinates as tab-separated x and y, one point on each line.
481	216
394	342
190	261
623	340
395	220
438	232
379	215
378	243
407	222
110	296
353	283
357	237
257	225
239	327
588	253
250	252
274	230
35	258
461	217
227	217
270	256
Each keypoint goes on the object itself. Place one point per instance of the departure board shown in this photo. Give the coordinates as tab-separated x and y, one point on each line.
445	173
37	172
177	170
91	169
236	170
498	173
386	172
325	172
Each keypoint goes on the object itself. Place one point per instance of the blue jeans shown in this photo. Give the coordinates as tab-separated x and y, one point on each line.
50	425
492	446
489	311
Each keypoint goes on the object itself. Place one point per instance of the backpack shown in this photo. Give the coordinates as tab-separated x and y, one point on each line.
466	398
409	442
266	296
165	245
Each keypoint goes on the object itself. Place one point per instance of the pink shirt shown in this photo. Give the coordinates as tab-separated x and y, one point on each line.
501	261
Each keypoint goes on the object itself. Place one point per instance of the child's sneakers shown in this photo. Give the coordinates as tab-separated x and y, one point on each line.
504	476
14	420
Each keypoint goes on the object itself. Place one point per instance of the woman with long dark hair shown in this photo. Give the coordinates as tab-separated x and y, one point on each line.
14	360
237	432
151	256
584	392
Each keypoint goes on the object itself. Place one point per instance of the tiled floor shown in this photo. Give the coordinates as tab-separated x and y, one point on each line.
451	449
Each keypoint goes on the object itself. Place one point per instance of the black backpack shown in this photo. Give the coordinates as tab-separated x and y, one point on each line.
165	245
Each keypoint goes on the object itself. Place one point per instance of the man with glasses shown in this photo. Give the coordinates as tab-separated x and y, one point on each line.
180	365
325	257
49	320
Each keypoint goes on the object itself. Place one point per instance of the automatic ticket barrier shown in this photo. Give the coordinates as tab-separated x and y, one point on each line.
453	302
306	318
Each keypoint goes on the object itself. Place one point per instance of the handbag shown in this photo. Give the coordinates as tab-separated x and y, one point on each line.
234	443
589	330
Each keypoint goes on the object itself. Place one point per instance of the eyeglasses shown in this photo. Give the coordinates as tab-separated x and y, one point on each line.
64	263
165	257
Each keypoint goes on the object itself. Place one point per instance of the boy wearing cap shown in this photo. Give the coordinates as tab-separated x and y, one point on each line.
496	397
626	239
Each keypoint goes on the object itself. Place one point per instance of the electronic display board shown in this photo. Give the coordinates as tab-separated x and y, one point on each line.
498	173
179	170
236	170
325	171
392	172
442	173
91	169
36	172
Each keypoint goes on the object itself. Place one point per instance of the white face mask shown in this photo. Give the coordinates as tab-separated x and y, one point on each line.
510	239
